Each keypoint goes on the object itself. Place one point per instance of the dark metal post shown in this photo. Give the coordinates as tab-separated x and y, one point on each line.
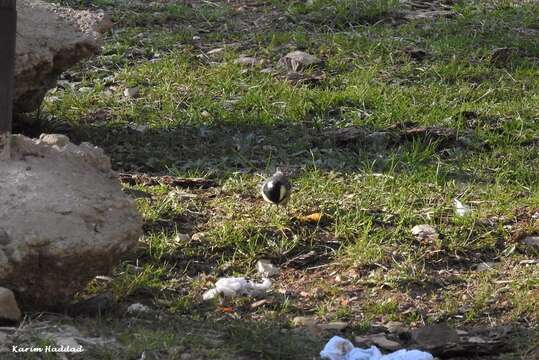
8	32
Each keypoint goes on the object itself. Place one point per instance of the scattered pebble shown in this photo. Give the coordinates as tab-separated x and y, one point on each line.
248	61
268	70
131	92
532	241
182	238
199	236
485	266
382	341
335	325
304	321
297	60
141	128
266	268
137	308
397	328
215	51
425	232
432	336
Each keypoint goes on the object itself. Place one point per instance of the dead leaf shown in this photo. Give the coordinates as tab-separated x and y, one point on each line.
313	218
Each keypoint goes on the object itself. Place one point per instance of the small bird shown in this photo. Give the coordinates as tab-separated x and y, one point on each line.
276	189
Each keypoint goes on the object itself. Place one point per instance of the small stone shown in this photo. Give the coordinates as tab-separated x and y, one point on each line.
215	51
532	241
266	268
137	308
477	340
430	14
54	139
247	61
141	128
304	321
269	148
397	328
335	325
425	233
131	92
196	38
199	236
298	60
9	310
433	336
205	114
268	70
383	342
362	341
484	266
182	238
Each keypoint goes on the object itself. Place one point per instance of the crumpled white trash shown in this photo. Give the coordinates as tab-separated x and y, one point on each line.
338	348
137	308
461	209
236	286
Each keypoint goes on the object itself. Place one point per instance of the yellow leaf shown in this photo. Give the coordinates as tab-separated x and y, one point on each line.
313	218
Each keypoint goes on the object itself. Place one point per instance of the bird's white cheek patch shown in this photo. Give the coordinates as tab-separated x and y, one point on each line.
282	192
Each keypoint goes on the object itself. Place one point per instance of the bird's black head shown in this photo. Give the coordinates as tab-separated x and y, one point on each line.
272	191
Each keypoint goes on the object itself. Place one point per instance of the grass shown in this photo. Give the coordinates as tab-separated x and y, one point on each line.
211	117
